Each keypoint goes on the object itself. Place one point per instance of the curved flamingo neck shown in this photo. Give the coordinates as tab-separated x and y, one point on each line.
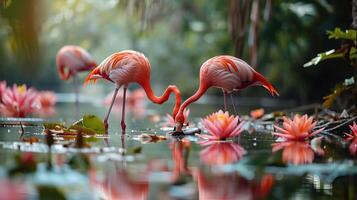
201	91
165	96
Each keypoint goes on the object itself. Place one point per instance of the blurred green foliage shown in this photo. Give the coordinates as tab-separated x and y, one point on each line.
177	36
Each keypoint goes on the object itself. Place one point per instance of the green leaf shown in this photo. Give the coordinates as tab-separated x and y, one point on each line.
94	122
324	56
349	34
339	53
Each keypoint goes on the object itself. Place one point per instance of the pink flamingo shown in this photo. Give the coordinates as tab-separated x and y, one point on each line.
126	67
72	59
228	73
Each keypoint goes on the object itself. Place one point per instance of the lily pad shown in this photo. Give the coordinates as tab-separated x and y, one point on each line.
93	122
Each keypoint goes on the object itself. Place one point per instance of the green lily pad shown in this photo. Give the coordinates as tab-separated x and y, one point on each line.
93	122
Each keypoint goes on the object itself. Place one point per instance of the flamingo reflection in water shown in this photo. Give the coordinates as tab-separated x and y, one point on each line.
229	186
121	185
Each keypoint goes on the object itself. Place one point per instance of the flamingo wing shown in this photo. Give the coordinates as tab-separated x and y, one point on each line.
227	72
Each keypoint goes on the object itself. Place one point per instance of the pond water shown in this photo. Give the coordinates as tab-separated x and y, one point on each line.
137	167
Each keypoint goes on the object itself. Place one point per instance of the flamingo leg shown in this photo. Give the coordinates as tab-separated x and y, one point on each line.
234	107
76	91
225	100
110	109
123	125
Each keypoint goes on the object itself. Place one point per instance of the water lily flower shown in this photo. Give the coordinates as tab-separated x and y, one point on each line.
220	153
19	101
299	129
295	152
47	101
353	129
220	125
169	120
353	137
257	113
2	89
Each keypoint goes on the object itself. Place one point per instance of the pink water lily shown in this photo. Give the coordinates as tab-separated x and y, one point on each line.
220	125
169	120
352	137
300	128
2	89
47	101
19	101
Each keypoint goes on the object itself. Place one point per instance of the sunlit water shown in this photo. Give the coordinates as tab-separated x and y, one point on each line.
132	168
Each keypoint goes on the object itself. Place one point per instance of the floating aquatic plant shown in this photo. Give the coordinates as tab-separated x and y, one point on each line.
2	89
299	129
352	137
170	121
353	134
19	101
47	101
257	113
220	125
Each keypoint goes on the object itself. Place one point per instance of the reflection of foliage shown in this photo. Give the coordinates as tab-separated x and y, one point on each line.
347	51
50	192
24	163
80	162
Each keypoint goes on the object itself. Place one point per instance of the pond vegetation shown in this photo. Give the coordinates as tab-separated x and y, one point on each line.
90	142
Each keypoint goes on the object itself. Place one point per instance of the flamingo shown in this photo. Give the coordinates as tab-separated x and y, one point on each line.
227	73
125	67
70	60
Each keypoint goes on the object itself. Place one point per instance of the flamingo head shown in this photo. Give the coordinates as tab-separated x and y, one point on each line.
261	80
179	120
89	66
96	74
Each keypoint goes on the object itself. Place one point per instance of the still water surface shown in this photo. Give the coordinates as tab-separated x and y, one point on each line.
131	167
